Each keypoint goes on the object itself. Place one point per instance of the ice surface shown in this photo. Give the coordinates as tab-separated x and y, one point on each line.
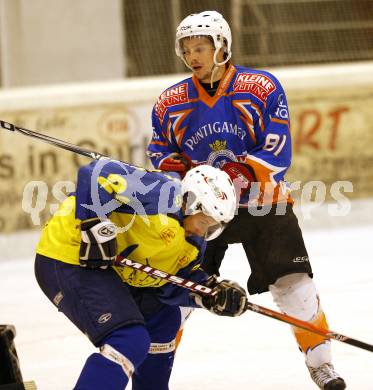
249	352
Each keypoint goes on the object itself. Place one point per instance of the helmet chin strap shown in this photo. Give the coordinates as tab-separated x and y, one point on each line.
217	64
186	64
216	57
214	69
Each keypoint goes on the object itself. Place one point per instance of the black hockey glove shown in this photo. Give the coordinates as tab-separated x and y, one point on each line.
99	245
227	298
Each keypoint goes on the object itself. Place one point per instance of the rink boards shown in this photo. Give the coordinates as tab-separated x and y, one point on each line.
330	123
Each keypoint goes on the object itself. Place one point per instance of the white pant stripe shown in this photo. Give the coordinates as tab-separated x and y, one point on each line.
112	354
162	347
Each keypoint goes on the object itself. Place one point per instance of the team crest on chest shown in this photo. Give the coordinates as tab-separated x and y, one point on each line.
217	158
218	145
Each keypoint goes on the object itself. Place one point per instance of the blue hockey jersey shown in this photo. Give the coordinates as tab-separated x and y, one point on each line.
247	120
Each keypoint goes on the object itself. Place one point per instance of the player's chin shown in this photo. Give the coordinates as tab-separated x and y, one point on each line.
200	73
204	78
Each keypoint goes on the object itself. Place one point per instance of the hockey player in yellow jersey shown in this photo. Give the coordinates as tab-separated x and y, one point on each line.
152	218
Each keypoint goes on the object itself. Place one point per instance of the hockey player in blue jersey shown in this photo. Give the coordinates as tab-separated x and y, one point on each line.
237	119
151	218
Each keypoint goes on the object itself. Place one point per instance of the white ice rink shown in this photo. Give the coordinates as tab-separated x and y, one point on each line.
250	352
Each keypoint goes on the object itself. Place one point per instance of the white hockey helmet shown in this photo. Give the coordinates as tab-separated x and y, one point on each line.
209	23
211	191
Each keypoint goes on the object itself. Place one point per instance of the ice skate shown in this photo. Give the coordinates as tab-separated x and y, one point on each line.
326	378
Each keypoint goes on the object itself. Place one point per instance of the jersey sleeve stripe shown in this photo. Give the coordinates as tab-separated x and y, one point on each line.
281	121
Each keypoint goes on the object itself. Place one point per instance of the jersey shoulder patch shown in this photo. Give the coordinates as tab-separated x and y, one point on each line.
259	84
177	94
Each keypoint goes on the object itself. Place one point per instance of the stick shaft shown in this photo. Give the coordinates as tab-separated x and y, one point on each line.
52	141
185	283
308	326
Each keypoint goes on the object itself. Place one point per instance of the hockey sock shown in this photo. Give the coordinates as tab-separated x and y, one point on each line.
296	295
316	348
154	372
121	352
308	340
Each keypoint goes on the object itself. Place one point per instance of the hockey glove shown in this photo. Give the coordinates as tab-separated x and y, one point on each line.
176	162
241	174
227	298
99	245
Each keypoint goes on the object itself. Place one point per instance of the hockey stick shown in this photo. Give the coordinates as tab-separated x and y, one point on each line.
53	141
198	288
185	283
176	279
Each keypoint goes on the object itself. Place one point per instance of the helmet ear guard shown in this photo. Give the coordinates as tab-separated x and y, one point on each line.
191	204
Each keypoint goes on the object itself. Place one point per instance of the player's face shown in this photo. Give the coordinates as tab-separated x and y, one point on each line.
199	55
198	224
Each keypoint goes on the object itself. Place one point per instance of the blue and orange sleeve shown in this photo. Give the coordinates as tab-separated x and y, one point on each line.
160	146
271	156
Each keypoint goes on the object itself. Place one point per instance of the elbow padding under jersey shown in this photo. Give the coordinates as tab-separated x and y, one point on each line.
296	296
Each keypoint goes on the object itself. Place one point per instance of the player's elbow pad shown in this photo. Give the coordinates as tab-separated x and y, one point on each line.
241	174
